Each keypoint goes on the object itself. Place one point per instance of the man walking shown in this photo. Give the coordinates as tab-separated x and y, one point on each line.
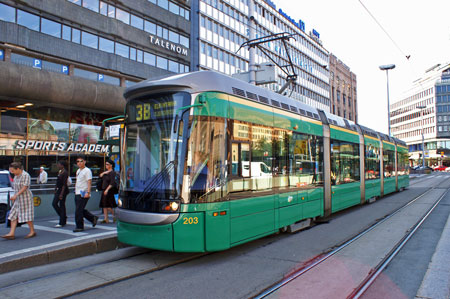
42	177
61	191
82	194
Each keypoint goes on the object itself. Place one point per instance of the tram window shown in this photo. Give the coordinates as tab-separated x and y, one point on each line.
403	163
206	164
305	160
372	162
344	162
389	163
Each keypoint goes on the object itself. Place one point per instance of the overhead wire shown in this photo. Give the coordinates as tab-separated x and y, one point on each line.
384	30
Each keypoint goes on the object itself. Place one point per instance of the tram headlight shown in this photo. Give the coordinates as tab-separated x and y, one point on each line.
174	205
170	206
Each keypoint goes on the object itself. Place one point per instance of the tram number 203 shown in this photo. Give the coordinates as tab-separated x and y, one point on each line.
190	220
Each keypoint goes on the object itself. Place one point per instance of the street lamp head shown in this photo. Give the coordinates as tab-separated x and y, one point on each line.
387	67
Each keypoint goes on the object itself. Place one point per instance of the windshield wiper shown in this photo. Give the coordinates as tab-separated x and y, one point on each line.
155	181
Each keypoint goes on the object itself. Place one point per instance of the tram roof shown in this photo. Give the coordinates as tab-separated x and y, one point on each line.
203	81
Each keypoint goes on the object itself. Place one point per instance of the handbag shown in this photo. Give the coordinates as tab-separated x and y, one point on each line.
99	184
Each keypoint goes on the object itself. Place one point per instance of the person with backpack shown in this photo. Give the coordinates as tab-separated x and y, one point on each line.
61	191
109	187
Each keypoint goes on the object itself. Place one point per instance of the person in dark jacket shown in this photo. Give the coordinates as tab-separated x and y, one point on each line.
61	191
108	202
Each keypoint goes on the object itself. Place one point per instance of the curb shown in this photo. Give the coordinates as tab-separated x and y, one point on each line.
53	255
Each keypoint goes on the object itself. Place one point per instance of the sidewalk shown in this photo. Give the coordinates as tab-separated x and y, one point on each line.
55	244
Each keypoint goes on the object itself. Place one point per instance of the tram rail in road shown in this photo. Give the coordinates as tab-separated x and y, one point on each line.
326	262
103	274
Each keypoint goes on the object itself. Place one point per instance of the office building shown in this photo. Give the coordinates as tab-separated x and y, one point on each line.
64	65
425	108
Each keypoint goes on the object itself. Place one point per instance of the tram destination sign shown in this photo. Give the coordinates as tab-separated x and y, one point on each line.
142	111
40	145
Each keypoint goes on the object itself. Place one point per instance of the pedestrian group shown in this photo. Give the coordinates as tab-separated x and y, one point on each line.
22	205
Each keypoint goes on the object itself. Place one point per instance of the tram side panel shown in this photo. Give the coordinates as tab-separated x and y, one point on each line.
403	167
372	167
345	168
389	167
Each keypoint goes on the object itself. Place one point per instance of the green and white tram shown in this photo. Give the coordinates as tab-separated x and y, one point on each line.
209	162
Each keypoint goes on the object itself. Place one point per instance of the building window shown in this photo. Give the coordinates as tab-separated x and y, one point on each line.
122	16
91	4
28	20
7	13
89	40
137	22
106	45
122	50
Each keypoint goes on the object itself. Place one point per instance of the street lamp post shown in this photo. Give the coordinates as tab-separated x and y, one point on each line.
423	142
387	68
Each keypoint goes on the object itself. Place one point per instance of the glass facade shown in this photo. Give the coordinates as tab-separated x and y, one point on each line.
224	28
40	136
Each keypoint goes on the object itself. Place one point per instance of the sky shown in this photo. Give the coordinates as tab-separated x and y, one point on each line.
419	28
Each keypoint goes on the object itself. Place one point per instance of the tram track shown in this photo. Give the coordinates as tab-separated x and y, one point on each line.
168	260
359	290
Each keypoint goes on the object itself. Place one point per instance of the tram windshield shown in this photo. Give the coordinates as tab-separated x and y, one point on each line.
153	133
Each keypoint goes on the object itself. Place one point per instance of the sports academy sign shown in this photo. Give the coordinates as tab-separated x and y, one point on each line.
39	145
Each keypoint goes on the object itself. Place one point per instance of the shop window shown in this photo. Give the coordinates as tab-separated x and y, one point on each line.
85	127
13	122
48	124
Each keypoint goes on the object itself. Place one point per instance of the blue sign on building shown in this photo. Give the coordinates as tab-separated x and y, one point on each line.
37	63
100	77
65	69
2	54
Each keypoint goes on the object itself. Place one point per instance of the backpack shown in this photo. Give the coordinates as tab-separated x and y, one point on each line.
69	181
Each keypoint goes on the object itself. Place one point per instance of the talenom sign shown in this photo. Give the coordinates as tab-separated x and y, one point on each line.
39	145
168	45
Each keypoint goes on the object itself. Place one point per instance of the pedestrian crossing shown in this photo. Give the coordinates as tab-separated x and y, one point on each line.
70	226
